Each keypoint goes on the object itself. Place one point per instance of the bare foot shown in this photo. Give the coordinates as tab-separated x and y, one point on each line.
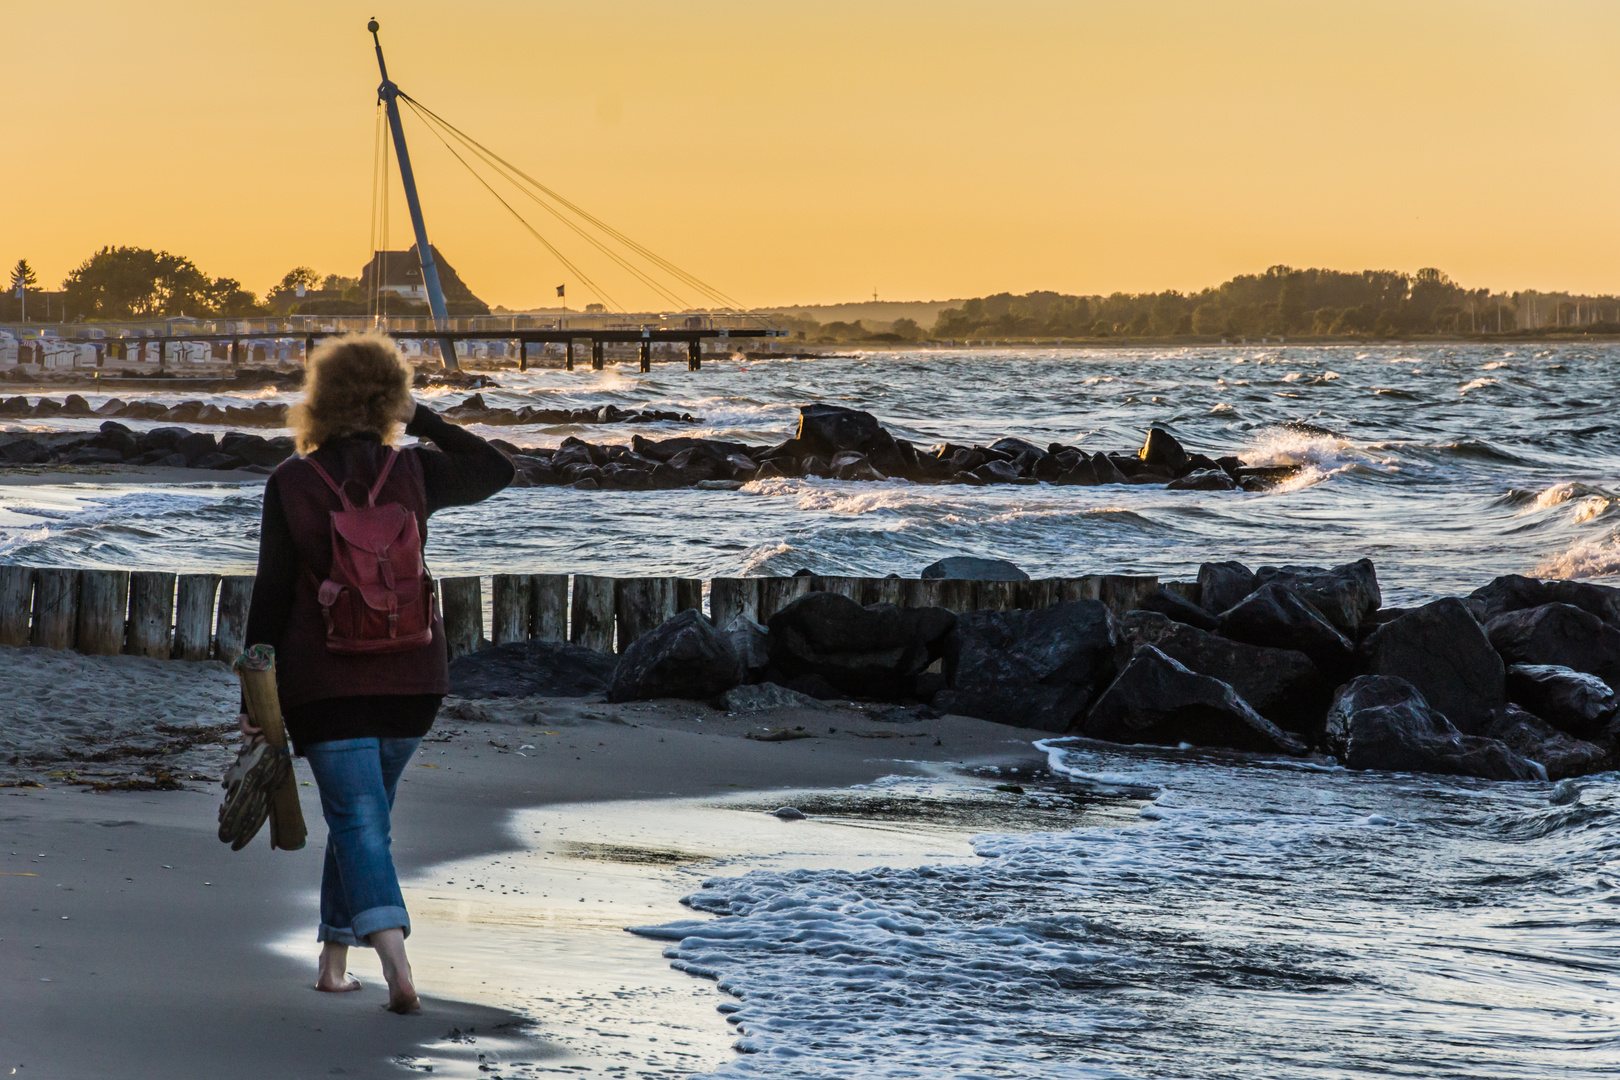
331	977
390	946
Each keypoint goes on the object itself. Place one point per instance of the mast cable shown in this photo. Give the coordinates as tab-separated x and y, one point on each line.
576	271
629	267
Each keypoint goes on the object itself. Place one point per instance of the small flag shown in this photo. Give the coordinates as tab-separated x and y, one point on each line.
560	289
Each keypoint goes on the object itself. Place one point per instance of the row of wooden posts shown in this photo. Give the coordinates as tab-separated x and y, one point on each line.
204	616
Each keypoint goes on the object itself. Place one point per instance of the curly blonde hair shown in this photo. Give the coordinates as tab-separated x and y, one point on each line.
354	383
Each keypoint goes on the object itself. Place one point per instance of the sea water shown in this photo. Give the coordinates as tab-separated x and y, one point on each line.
1256	920
1446	464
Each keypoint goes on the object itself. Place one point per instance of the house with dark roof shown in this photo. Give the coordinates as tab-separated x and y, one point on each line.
400	273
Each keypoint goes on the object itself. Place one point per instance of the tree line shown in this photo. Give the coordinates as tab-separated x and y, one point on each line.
1283	301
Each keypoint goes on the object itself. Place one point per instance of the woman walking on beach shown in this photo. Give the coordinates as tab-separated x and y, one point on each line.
361	664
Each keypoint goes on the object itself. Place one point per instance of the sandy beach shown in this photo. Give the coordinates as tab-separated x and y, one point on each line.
135	944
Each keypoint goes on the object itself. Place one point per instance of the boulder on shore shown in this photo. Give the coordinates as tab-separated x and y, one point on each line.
1156	700
871	652
1222	584
1035	669
1444	653
1512	592
1174	606
1383	722
1560	634
973	568
765	696
685	657
1569	700
1531	737
1275	616
1345	595
1283	685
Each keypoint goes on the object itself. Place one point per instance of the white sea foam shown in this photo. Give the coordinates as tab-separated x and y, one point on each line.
1598	557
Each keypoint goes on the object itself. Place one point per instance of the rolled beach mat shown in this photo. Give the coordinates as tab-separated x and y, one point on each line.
256	670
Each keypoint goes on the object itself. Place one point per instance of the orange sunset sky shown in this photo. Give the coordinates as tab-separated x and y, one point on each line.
794	152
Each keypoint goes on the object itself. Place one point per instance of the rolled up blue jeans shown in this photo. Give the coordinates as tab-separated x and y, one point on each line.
359	889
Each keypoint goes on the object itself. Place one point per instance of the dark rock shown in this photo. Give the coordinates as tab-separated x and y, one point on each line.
256	450
1080	473
1531	737
1156	700
25	452
997	472
1283	685
1570	700
752	644
973	568
164	438
874	652
1222	584
1179	608
93	455
1271	615
1558	634
685	657
827	429
1035	669
1382	722
169	460
1203	480
532	669
1515	593
759	698
1017	447
1107	471
1344	594
198	444
1444	653
1161	448
76	405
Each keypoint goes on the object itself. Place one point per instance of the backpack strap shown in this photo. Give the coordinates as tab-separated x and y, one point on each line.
382	476
371	495
337	489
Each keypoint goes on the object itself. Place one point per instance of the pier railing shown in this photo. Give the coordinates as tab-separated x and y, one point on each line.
204	616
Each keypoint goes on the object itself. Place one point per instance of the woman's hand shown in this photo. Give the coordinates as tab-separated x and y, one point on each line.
249	733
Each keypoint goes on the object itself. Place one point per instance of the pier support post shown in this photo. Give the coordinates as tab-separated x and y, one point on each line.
194	616
596	354
730	597
163	353
776	593
592	616
646	355
236	349
688	595
56	608
309	347
694	355
640	605
568	355
1037	594
151	603
549	607
1088	587
523	354
462	601
883	590
1122	591
843	586
512	603
230	627
921	592
16	603
103	603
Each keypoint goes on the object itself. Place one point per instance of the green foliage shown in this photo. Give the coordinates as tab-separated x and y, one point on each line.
137	283
22	276
1280	301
